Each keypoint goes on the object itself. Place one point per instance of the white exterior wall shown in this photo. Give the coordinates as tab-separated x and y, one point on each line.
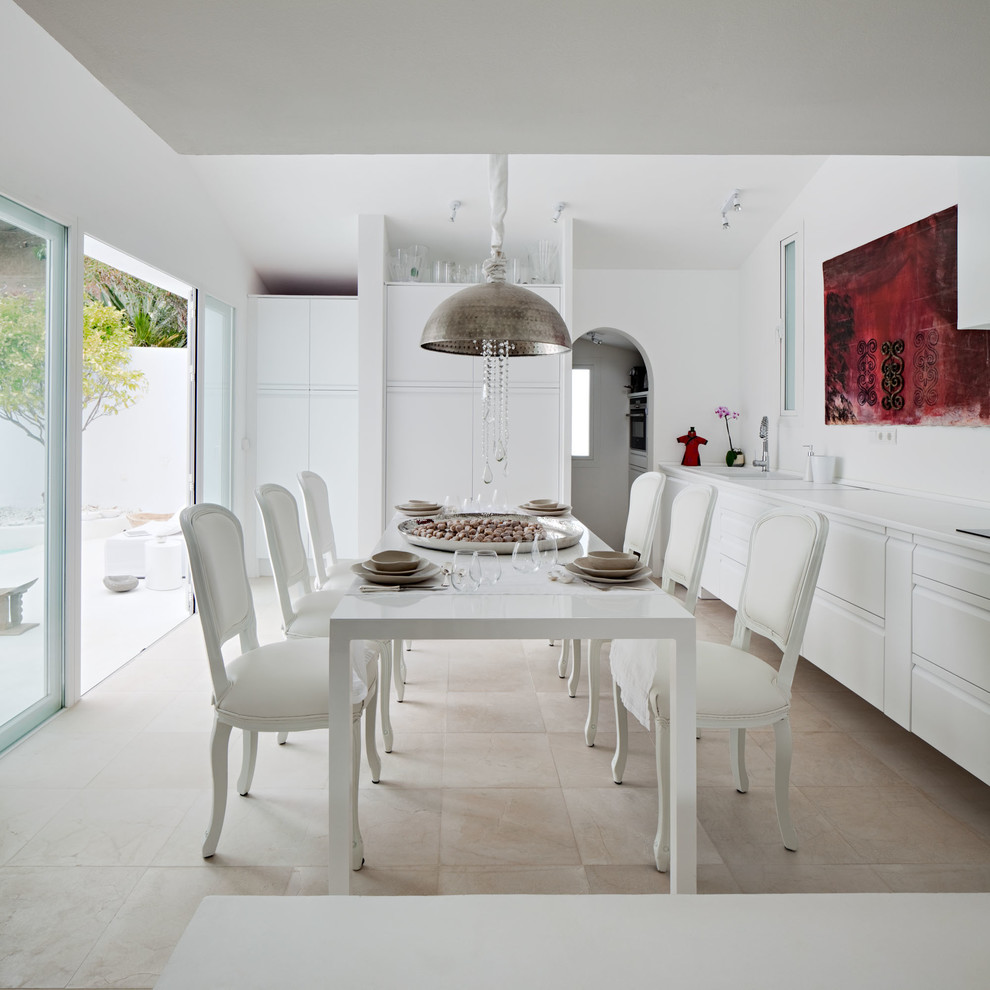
849	202
139	459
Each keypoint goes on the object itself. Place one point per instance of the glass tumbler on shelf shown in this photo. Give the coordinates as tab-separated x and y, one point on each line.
543	263
465	572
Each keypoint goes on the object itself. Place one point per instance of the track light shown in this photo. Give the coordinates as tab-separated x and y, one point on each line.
596	338
733	204
558	208
454	207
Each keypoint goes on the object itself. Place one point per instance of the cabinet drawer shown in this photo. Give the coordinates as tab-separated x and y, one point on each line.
847	647
853	566
954	570
735	531
730	579
953	634
952	721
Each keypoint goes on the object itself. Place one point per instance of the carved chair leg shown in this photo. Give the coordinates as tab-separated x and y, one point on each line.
782	777
357	843
594	685
399	669
621	734
248	761
370	742
661	845
218	761
565	657
385	665
572	682
737	757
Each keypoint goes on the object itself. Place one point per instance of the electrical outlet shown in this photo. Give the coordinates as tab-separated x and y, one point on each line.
888	436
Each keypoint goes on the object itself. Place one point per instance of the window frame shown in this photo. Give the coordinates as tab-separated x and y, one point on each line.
797	343
589	370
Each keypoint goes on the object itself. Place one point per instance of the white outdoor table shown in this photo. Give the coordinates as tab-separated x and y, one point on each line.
573	612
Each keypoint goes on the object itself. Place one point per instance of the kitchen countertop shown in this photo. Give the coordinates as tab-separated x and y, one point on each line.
921	514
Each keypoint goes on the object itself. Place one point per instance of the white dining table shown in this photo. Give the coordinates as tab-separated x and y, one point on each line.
518	607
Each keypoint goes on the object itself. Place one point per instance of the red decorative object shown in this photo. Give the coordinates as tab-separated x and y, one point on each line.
692	442
893	354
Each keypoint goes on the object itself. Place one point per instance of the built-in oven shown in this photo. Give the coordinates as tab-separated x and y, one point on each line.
637	422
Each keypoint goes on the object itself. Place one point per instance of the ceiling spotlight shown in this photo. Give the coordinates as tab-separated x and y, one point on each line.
732	204
454	207
558	208
596	338
725	221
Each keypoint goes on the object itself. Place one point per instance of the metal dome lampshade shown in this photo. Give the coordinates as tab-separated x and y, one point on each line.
496	311
496	321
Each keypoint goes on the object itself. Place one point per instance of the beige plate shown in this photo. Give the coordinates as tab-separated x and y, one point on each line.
610	572
424	510
424	572
567	531
601	579
561	510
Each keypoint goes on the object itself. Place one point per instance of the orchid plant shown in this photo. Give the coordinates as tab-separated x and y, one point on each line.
725	413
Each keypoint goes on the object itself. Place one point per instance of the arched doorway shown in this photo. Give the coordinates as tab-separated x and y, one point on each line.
614	368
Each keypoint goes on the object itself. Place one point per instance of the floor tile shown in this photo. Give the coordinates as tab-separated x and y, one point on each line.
493	711
518	880
500	759
508	827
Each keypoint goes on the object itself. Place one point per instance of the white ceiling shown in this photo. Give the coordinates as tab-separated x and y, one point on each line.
304	113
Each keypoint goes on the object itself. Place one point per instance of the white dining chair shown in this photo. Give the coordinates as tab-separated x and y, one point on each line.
737	690
642	519
306	613
333	572
279	687
691	514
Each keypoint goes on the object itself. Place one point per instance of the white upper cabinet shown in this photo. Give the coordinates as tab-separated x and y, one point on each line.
283	341
333	343
974	244
407	308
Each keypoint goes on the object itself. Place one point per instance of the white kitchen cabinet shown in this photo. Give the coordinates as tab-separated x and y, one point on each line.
950	676
429	436
901	613
306	359
433	412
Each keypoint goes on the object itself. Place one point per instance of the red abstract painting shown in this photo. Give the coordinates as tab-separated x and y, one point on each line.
893	354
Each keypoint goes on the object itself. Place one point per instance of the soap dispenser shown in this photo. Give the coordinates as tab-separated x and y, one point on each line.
807	466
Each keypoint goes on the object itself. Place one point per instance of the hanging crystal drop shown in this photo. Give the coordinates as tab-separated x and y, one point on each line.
502	398
487	411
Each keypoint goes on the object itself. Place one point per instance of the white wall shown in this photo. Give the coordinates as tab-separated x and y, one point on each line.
849	202
139	459
72	151
685	324
600	486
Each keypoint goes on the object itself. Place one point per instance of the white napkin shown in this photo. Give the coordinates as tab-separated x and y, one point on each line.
363	651
634	662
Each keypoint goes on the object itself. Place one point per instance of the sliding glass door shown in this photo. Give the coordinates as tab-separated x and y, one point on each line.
33	253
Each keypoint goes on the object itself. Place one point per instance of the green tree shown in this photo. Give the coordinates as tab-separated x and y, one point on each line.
109	383
156	316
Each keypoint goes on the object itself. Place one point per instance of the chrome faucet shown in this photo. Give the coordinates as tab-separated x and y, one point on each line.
764	462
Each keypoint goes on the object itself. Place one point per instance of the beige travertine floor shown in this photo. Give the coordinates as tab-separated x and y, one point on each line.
490	789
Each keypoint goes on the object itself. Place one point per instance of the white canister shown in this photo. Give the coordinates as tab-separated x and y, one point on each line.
822	469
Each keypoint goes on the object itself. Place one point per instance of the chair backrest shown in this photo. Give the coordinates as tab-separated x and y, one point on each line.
290	568
316	505
785	556
690	523
644	513
215	543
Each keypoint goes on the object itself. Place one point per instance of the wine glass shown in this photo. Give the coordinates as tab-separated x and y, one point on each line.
524	558
489	566
546	552
465	572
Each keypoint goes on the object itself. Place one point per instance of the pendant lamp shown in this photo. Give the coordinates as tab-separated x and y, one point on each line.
496	321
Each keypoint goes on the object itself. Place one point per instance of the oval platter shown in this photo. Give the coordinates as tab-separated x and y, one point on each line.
567	531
